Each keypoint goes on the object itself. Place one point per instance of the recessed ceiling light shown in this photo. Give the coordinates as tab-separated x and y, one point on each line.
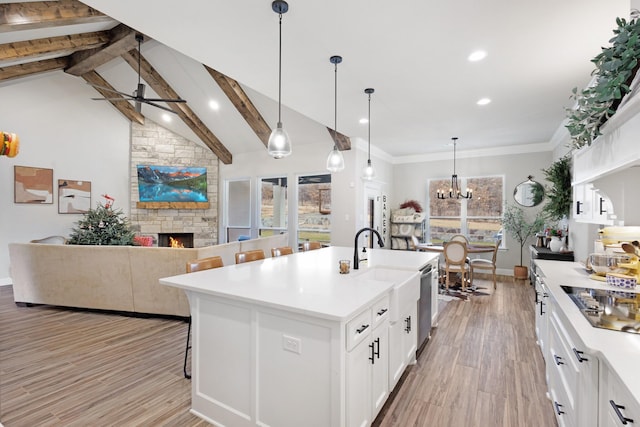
483	101
166	117
213	104
478	55
364	121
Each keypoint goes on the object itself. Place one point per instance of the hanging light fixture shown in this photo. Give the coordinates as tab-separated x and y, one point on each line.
454	190
279	145
335	160
368	172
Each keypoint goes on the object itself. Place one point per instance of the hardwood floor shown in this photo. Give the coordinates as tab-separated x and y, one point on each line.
63	367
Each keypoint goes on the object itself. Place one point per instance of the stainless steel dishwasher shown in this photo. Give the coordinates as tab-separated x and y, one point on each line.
424	305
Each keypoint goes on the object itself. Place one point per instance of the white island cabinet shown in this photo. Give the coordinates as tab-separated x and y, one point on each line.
289	341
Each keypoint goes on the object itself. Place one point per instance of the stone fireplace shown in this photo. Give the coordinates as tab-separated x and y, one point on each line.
152	144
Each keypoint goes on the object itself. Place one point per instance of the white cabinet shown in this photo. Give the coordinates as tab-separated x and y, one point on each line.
572	373
542	314
367	363
403	343
590	205
617	405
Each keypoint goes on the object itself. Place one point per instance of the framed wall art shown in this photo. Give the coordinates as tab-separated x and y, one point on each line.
33	185
172	183
74	197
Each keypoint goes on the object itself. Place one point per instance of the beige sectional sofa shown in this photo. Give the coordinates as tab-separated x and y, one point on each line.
120	278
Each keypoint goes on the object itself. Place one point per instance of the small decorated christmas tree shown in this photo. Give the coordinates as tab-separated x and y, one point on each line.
102	226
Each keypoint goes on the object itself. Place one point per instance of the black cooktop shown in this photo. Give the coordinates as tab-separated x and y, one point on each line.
608	309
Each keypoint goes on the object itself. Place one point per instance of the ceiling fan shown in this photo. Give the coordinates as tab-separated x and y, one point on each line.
138	94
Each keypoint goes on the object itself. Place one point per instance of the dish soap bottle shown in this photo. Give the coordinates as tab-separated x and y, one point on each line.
363	257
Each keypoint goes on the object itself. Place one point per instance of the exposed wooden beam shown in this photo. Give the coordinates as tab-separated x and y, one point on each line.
123	106
243	104
44	14
164	90
58	46
30	68
121	40
342	141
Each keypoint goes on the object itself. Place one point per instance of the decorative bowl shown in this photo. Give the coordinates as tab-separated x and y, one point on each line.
601	264
621	280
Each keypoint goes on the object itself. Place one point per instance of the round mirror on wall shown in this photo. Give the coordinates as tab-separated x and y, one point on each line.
529	193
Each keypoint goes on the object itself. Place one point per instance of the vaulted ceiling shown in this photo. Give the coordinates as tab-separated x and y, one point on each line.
413	53
102	40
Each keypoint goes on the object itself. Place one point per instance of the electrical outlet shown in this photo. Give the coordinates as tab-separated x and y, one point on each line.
292	344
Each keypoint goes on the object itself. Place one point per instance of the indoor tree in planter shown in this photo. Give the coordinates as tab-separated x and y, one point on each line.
616	66
516	223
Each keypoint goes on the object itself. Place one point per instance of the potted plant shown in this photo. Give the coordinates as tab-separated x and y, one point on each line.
521	228
558	205
616	67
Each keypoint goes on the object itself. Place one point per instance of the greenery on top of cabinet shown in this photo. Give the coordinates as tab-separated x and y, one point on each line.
615	69
558	203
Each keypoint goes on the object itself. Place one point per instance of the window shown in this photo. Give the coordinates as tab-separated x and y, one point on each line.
314	208
479	218
273	206
238	210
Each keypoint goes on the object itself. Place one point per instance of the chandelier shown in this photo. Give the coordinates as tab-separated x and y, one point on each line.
454	190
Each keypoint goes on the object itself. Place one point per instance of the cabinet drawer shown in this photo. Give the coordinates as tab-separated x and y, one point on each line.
380	311
358	328
617	404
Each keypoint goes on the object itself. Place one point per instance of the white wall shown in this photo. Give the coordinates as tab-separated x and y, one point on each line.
411	179
60	128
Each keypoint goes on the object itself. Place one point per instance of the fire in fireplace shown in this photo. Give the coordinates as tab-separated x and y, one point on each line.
175	240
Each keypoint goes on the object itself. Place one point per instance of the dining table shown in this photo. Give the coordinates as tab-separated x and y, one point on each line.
471	249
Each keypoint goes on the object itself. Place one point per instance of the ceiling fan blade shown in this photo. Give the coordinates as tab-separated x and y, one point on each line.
111	99
110	90
146	101
165	100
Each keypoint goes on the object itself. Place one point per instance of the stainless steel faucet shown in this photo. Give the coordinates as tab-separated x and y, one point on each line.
356	260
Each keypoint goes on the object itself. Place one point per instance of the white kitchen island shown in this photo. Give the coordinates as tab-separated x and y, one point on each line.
289	341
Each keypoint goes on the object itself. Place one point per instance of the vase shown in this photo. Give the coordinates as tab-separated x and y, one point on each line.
556	244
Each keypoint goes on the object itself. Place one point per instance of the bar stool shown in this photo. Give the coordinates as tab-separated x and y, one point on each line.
248	256
284	250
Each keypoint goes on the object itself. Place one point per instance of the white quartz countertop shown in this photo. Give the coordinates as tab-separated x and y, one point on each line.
305	282
620	350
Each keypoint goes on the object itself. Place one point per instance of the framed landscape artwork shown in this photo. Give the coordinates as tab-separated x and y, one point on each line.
33	185
172	183
74	197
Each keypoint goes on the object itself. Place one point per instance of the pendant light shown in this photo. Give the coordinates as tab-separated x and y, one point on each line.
368	173
335	160
454	190
279	145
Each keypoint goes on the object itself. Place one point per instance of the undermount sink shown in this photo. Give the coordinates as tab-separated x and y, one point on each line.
406	286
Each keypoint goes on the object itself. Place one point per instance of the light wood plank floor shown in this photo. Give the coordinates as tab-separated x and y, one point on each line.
77	368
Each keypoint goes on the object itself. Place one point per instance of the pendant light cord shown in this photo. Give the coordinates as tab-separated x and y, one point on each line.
139	56
369	132
280	70
335	104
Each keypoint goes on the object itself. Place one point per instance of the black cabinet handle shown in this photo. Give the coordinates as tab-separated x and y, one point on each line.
372	354
541	304
558	360
362	328
578	203
377	351
579	354
408	323
624	420
602	210
383	311
537	297
558	406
